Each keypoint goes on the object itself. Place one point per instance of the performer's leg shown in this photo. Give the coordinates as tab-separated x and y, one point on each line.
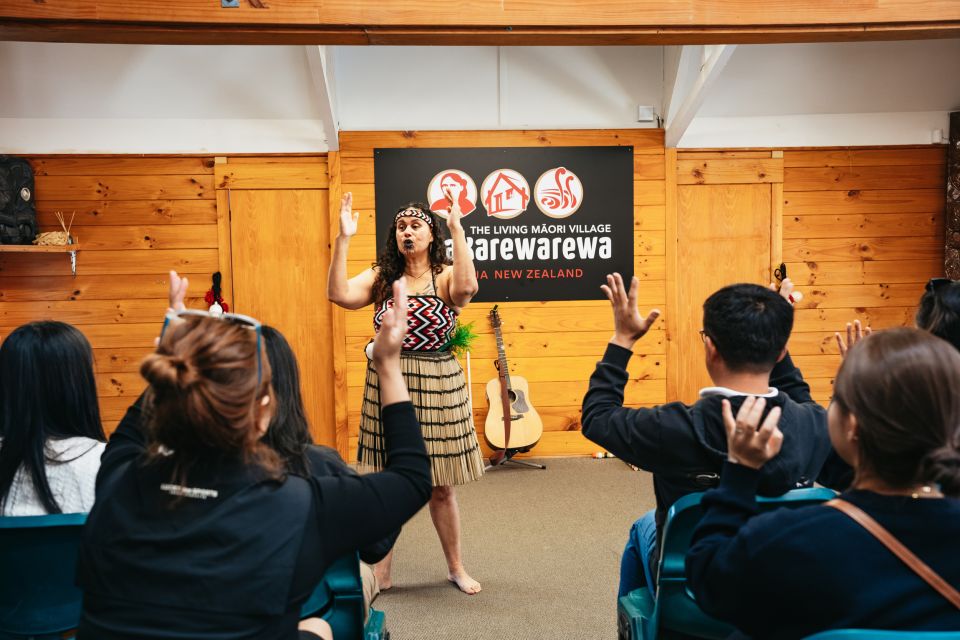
381	572
446	519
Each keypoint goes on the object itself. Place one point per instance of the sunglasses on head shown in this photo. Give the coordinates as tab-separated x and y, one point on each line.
935	284
237	318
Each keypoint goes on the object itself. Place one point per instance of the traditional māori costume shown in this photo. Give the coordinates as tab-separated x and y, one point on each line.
438	390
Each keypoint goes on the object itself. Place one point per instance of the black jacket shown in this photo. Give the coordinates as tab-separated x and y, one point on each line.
324	461
793	572
238	556
685	446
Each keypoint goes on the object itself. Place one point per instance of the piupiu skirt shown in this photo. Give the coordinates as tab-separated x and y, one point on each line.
438	391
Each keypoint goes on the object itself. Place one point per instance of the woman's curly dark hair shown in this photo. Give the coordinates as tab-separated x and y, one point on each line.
390	263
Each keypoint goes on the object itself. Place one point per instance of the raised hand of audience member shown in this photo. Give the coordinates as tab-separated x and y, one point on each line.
629	325
387	345
747	444
855	333
177	292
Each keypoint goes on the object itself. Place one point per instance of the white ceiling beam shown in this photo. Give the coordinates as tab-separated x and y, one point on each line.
687	85
320	59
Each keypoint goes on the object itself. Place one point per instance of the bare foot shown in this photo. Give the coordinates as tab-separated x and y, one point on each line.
464	582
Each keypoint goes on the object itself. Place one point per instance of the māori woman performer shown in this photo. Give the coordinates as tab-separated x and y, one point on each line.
438	291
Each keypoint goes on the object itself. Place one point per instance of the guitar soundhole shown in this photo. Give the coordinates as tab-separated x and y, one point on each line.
513	396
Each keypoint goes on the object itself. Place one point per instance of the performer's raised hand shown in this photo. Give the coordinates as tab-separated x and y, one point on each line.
348	217
629	325
746	443
454	215
855	333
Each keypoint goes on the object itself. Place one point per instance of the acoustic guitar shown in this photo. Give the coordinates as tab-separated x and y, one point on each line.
512	424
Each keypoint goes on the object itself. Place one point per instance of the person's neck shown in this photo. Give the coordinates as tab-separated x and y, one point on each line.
868	481
416	265
750	383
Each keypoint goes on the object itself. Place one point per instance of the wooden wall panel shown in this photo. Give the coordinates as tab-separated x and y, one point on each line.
280	249
555	345
724	211
136	218
863	232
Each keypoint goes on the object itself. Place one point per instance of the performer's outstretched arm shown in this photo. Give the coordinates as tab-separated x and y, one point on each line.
356	292
463	280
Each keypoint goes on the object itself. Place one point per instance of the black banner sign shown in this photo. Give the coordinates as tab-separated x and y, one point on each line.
541	223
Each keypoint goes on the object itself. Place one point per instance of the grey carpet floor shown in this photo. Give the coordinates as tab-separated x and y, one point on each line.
545	545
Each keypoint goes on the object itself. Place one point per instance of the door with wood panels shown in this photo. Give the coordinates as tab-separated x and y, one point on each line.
728	209
279	256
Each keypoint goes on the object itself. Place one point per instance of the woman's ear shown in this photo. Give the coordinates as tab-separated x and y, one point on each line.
264	416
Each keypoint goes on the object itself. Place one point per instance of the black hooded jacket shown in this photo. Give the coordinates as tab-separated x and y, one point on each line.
685	446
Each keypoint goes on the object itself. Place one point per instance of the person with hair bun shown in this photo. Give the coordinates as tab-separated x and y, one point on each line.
198	531
895	418
51	437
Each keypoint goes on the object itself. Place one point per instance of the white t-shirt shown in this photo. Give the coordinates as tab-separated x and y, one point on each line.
72	465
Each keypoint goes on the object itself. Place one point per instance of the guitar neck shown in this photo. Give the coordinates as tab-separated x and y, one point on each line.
502	357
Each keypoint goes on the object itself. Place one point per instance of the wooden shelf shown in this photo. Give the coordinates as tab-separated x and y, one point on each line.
69	249
32	248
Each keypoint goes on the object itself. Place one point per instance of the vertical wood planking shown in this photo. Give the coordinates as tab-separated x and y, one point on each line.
338	320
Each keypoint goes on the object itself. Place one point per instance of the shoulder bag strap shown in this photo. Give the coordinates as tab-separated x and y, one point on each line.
915	564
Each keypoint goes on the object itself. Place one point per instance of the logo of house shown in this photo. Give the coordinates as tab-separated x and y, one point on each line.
461	187
558	192
505	194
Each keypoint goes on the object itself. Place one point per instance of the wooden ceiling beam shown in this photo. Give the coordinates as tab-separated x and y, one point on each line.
128	33
477	22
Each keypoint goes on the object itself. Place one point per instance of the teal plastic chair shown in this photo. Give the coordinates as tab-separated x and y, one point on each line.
38	566
338	599
874	634
673	613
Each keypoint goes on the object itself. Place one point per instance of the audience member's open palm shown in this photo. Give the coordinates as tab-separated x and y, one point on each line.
629	324
393	327
177	292
746	443
855	333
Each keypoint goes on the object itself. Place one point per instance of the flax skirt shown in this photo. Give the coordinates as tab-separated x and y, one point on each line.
439	394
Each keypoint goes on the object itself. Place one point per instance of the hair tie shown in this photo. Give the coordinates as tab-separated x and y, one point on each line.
413	213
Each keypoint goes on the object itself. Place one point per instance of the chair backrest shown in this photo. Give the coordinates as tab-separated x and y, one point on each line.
875	634
38	566
338	599
675	606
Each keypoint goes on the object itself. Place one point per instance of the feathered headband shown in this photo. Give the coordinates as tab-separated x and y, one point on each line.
413	213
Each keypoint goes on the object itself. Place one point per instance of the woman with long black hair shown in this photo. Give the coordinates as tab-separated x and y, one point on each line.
438	291
51	437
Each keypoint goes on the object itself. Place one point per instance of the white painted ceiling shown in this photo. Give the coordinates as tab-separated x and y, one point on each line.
841	77
270	91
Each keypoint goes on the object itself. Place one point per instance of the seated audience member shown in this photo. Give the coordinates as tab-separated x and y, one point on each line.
197	531
51	437
745	332
938	313
895	417
289	435
939	310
